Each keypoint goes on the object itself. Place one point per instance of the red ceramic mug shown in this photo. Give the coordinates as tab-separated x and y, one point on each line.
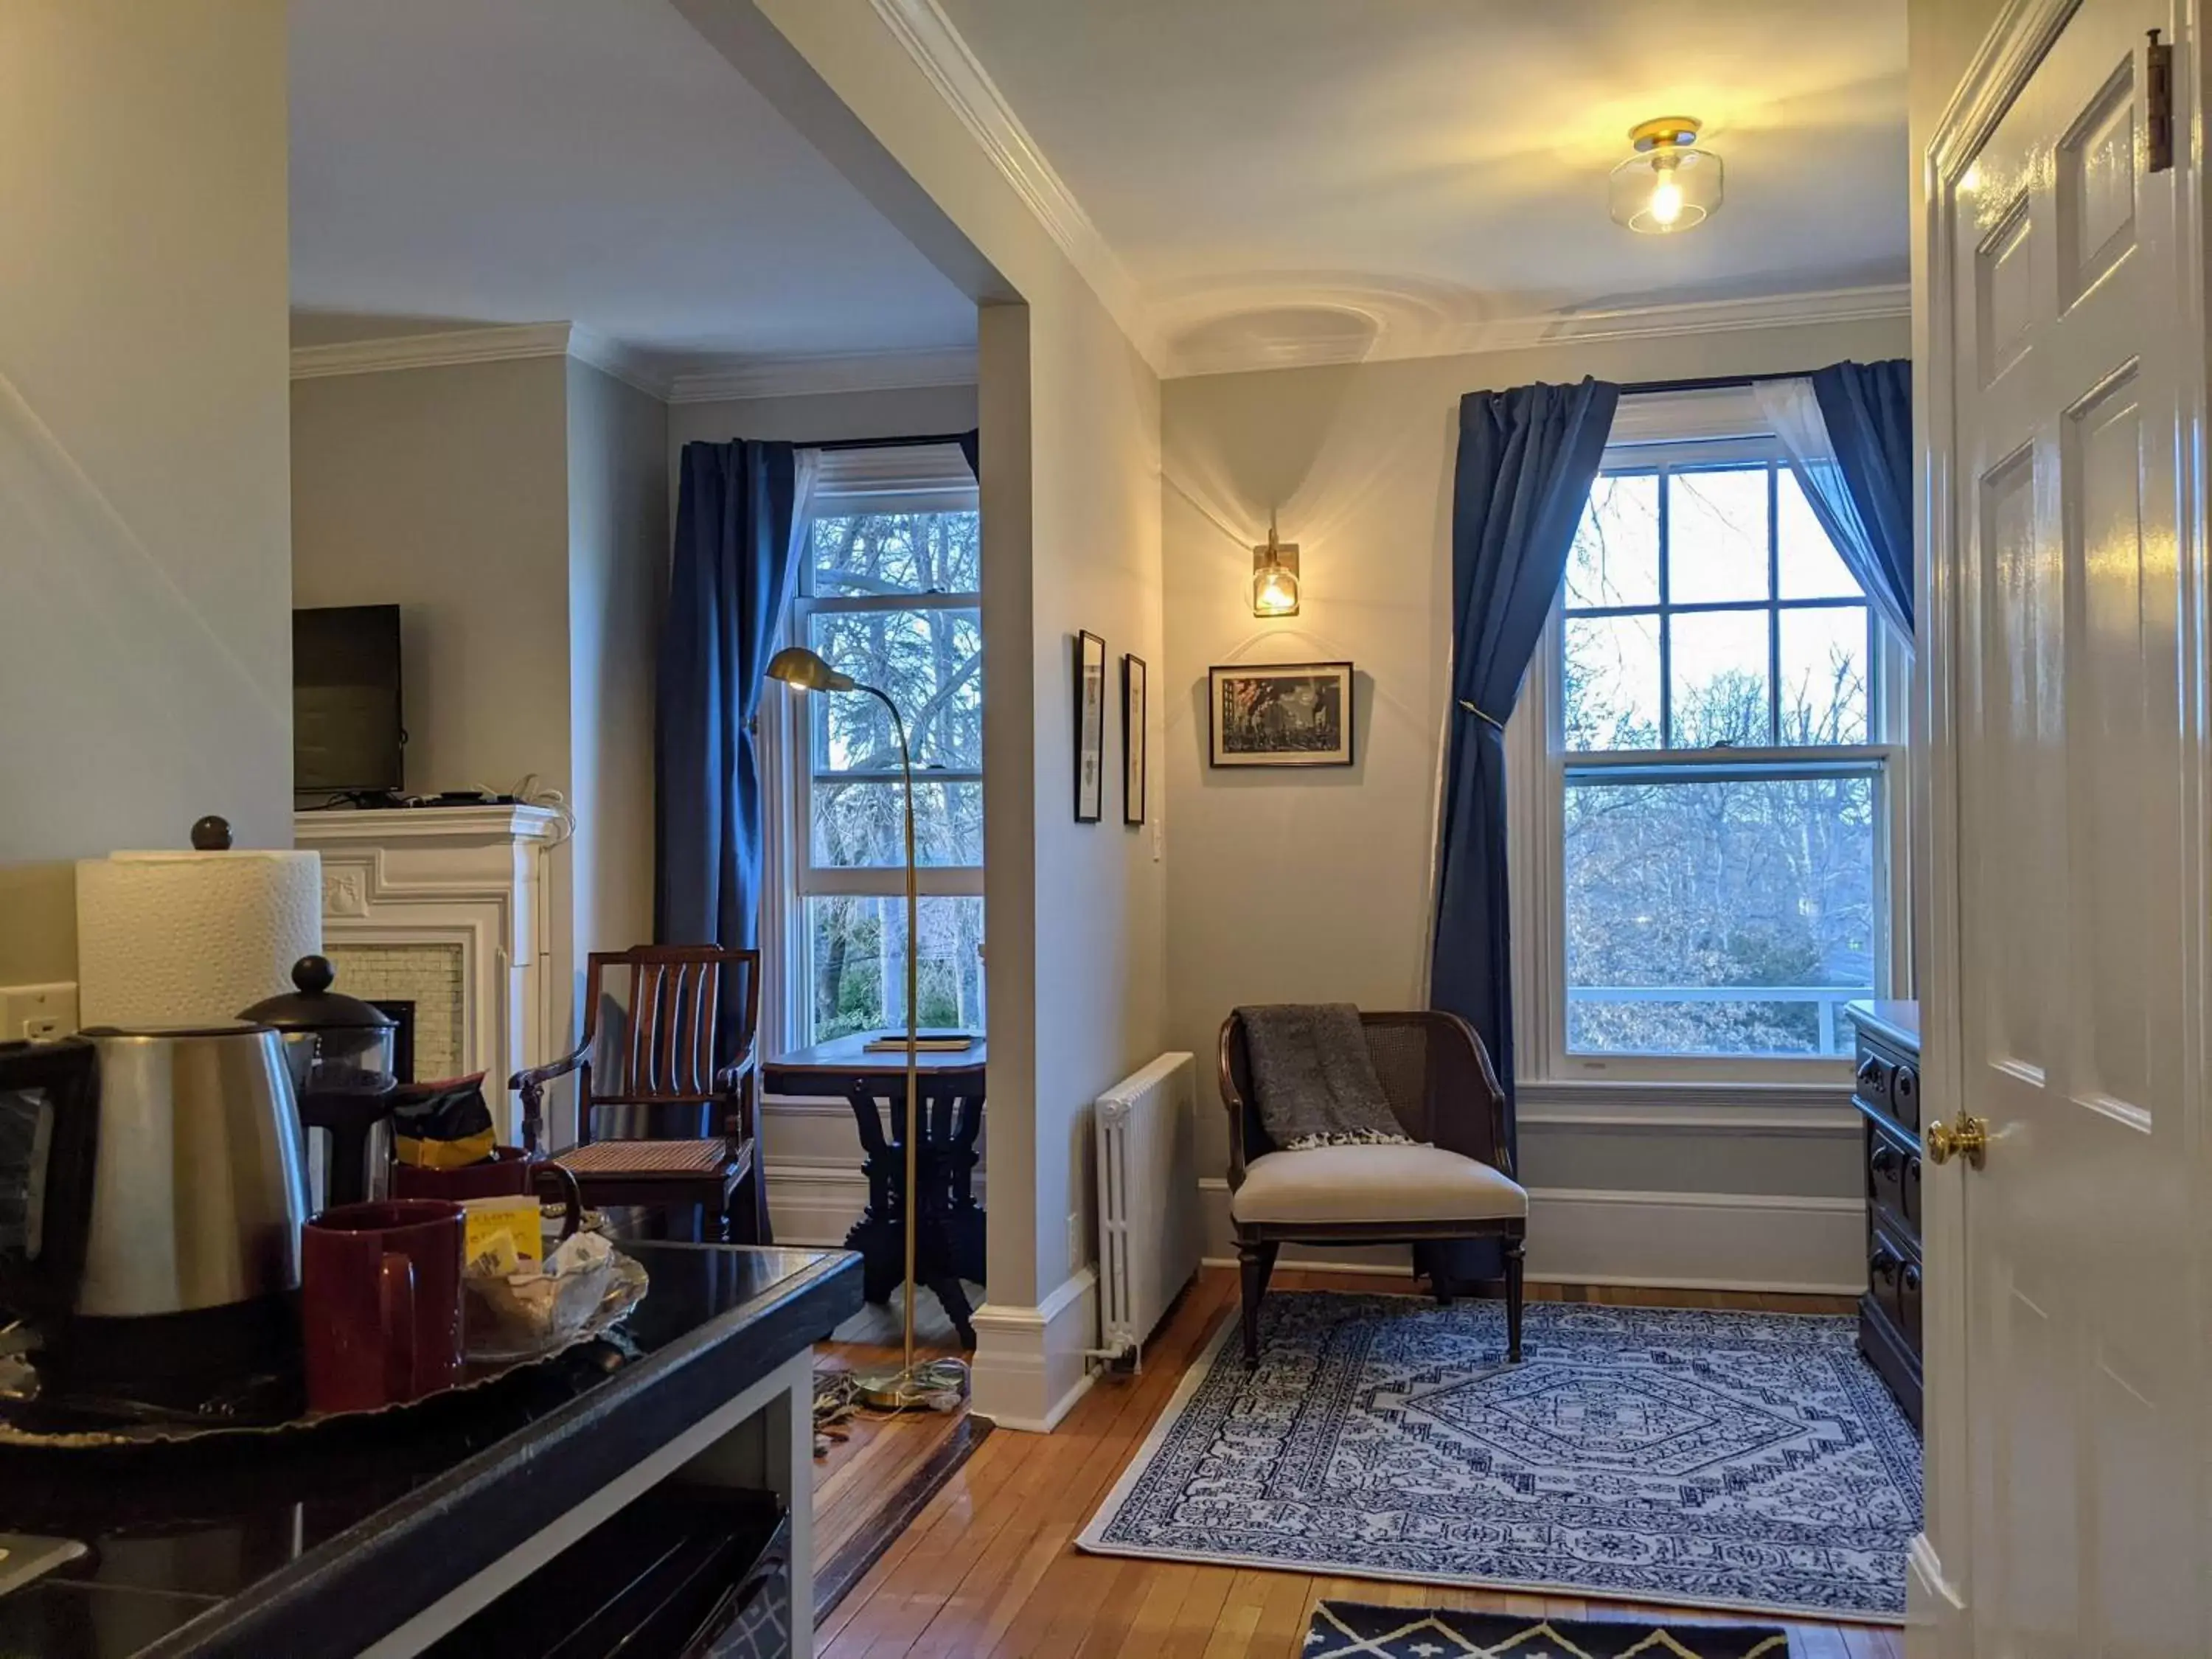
381	1303
509	1172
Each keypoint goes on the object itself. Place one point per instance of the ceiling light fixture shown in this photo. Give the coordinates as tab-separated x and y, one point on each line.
1669	185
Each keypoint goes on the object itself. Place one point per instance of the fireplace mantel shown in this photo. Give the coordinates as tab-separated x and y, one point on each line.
469	880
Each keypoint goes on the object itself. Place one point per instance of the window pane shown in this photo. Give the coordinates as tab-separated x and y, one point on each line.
897	553
1717	535
862	825
1718	917
1807	564
1718	665
1824	675
856	962
929	662
1615	558
1612	680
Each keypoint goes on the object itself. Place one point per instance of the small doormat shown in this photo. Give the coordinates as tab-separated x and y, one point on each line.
1693	1458
1349	1629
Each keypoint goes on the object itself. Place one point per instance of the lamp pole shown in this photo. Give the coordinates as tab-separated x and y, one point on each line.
913	1386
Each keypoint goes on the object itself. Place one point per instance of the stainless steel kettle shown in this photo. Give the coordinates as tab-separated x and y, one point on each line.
152	1191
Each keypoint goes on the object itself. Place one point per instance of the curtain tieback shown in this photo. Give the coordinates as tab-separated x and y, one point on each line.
1482	714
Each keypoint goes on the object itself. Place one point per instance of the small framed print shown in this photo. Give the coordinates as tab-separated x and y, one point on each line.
1132	740
1090	728
1297	714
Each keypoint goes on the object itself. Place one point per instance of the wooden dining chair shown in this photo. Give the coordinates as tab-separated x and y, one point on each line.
647	1066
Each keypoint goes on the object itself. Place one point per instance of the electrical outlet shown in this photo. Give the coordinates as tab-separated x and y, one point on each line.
40	1012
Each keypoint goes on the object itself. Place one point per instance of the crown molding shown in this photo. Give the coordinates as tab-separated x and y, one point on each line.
611	356
504	342
944	57
1485	335
799	377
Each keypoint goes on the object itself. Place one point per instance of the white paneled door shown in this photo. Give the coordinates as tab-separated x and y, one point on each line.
2072	564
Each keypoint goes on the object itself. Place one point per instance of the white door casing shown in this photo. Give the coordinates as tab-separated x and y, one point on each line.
2066	976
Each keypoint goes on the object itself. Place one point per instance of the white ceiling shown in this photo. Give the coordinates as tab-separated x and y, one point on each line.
1316	178
585	161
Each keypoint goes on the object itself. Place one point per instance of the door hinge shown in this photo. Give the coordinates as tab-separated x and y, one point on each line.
2157	102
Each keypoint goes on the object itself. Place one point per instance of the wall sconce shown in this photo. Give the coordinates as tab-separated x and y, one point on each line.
1275	576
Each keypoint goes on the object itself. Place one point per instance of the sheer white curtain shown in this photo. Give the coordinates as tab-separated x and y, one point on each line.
1789	407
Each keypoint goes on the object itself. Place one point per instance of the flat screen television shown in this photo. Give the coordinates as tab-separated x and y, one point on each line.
346	732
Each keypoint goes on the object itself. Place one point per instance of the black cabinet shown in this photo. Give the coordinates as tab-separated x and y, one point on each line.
1886	1091
685	1572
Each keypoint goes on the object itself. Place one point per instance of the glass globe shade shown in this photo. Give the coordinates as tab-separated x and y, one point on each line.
1669	188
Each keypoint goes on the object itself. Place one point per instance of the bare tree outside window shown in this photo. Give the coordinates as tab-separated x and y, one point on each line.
891	601
1720	833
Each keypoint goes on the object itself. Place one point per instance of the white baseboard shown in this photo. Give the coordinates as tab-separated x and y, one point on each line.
1029	1368
1676	1240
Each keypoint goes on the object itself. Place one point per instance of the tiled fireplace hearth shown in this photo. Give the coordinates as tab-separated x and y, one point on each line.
430	977
448	908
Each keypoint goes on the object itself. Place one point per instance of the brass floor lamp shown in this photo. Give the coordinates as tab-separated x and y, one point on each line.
912	1387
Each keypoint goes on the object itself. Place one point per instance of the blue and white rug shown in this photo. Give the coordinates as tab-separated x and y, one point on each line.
1676	1455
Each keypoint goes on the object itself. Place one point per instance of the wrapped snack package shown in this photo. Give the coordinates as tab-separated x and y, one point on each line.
540	1305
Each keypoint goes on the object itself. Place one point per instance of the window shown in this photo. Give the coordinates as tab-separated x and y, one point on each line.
1718	732
890	592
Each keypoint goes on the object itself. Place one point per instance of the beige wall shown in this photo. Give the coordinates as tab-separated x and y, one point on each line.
1314	886
445	491
144	589
517	513
617	555
1069	413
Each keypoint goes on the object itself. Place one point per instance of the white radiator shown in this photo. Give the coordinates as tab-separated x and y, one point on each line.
1148	1220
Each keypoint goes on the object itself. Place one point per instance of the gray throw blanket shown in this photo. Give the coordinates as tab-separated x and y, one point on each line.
1314	1085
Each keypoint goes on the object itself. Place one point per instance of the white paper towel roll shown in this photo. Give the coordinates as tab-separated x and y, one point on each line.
186	939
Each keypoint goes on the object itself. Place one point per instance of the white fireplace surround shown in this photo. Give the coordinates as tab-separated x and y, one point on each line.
470	878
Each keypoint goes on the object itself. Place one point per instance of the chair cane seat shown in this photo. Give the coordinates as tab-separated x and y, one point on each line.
645	1159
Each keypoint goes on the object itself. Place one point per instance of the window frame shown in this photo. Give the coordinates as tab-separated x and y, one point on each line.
887	479
1679	431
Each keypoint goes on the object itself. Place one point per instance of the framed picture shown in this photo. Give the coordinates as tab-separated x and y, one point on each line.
1297	714
1132	740
1090	728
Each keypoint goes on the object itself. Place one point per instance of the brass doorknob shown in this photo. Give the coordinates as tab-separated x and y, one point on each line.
1964	1137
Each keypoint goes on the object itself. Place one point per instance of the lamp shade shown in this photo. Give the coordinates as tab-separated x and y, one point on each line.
1669	185
805	671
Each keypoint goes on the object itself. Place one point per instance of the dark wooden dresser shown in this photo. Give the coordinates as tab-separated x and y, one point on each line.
1886	1091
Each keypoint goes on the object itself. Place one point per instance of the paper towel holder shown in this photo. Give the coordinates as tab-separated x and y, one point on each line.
211	834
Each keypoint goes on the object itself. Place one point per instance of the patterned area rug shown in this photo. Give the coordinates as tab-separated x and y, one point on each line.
1726	1460
1347	1629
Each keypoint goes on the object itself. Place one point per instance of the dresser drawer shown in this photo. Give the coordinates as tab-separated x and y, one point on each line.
1892	1181
1894	1283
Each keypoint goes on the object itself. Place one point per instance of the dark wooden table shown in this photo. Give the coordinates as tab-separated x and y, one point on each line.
949	1224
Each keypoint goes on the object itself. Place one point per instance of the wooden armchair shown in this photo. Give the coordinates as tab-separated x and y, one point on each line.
1437	1076
660	1065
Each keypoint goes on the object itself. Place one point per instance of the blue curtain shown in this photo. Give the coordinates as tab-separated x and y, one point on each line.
1867	408
1527	458
728	580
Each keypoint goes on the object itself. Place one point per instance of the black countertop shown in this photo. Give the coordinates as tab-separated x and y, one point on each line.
319	1546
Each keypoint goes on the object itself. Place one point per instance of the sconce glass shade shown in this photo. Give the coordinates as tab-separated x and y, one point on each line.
1274	589
1669	185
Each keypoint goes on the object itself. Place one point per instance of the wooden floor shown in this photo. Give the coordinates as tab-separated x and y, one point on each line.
988	1567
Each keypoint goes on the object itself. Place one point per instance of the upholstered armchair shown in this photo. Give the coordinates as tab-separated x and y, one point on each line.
1437	1076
